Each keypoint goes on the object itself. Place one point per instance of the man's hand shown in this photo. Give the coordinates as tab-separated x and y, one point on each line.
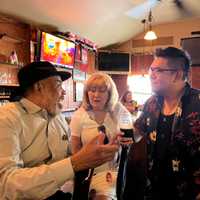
124	141
94	154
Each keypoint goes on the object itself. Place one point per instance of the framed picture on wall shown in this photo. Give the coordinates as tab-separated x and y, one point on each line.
78	75
78	91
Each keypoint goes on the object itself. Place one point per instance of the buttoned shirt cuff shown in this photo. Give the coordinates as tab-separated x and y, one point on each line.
62	170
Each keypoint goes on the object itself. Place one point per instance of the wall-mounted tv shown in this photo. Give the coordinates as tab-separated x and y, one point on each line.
57	50
114	62
192	46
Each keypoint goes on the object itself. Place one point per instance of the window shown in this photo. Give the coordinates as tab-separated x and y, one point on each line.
140	87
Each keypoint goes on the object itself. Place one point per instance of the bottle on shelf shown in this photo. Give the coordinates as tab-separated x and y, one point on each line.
3	102
14	58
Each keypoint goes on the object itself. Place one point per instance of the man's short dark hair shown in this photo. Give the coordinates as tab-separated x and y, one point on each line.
176	55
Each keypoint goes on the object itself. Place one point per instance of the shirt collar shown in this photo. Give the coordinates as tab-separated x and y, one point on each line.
186	94
32	108
187	90
29	106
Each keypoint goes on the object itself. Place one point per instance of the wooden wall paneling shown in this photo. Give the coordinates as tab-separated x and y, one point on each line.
140	63
159	41
66	87
69	103
16	37
195	74
91	62
121	83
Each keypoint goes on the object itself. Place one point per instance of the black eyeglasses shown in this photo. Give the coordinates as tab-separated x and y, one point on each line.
158	70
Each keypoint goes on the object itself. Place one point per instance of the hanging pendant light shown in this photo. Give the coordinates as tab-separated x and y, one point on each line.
150	34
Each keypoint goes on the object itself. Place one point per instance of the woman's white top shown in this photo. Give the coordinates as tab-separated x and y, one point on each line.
83	125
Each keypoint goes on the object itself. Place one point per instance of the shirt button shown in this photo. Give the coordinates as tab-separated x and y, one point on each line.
162	136
64	137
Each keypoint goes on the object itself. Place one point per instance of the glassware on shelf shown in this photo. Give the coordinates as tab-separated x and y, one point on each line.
14	58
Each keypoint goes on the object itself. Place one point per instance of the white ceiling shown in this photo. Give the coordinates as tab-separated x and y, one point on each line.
104	22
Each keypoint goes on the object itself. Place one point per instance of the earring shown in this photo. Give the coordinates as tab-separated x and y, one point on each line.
38	86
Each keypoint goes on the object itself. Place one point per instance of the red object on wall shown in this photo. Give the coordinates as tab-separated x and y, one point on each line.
81	58
78	52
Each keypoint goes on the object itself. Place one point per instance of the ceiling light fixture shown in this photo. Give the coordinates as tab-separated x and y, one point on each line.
150	34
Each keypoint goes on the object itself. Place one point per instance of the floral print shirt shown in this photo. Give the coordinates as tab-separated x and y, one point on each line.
184	144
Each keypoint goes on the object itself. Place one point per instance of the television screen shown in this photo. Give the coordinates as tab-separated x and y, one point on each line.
118	62
57	50
192	46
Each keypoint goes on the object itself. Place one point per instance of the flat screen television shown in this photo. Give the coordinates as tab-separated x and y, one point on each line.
114	62
192	46
57	50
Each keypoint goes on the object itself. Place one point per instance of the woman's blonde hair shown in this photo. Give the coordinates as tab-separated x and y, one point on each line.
106	80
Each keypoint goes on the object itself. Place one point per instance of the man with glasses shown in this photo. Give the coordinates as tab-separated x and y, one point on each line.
165	163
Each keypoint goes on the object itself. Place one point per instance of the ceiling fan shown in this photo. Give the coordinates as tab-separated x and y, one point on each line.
141	9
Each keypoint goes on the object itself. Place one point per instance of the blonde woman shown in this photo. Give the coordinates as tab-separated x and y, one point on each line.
100	106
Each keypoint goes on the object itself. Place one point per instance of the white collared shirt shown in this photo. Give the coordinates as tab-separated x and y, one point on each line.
33	150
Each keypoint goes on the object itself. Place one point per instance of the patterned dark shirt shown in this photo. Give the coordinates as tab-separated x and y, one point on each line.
182	165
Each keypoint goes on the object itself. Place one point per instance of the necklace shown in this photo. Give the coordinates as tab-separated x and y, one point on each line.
98	117
164	119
